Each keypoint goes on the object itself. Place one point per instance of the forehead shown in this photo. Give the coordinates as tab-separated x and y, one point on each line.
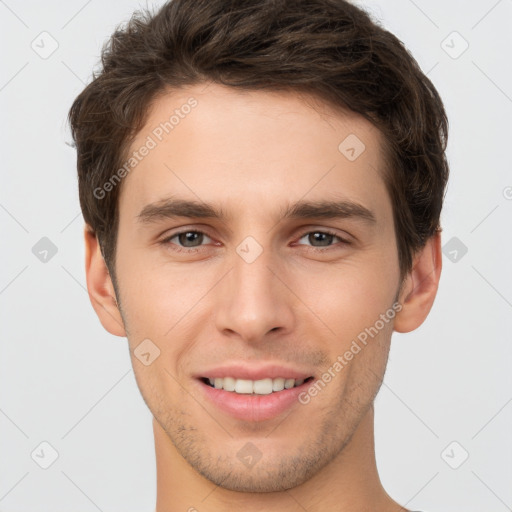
253	148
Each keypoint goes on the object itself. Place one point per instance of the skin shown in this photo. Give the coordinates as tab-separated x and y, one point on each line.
253	153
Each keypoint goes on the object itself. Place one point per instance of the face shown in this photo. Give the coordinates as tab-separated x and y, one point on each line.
256	243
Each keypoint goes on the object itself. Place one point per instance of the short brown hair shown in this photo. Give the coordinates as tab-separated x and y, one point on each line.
328	48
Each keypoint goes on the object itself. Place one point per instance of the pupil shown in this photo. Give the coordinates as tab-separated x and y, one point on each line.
190	236
324	238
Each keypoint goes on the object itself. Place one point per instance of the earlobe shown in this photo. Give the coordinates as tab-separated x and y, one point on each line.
99	286
420	288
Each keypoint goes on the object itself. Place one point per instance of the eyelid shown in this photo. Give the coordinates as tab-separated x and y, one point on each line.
168	237
326	231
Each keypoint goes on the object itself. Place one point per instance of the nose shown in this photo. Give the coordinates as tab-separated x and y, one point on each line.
254	301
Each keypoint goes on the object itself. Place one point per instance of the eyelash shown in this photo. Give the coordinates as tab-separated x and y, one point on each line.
192	250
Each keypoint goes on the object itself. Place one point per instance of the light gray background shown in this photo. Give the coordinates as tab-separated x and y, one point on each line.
67	382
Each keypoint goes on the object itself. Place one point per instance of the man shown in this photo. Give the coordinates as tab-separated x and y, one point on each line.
262	184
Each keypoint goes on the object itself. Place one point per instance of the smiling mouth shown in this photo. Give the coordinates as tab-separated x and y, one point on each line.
254	387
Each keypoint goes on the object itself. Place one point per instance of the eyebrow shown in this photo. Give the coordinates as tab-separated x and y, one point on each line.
320	209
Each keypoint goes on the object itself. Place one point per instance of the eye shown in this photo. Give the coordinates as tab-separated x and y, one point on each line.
186	239
322	238
193	240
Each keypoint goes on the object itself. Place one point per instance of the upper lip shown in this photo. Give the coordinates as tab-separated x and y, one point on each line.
243	371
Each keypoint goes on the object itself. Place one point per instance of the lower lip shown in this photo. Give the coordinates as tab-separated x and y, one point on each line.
253	407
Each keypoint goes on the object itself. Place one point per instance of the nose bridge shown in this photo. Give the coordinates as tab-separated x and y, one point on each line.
254	300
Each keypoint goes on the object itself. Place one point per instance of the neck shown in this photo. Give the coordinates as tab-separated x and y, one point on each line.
350	482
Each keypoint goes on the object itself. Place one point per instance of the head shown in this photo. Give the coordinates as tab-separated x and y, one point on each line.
260	113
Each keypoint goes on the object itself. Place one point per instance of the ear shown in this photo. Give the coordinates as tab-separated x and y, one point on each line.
99	286
420	287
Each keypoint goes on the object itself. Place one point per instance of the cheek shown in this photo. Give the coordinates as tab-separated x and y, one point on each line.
167	304
155	301
152	291
349	296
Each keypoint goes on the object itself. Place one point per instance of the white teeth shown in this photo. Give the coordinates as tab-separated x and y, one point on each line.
229	384
258	387
263	386
243	386
288	383
278	384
